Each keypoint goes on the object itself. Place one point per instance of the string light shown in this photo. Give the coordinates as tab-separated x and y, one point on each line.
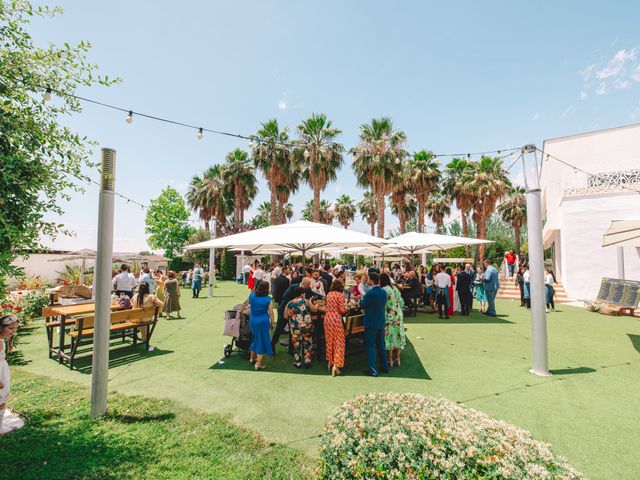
47	95
306	153
129	118
200	134
469	156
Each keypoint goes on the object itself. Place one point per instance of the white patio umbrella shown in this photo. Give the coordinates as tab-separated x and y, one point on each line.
300	236
413	242
623	233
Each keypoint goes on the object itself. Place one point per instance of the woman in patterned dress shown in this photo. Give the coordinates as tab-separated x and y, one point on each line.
394	336
333	328
301	328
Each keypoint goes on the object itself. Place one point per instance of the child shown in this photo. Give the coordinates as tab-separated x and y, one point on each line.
8	421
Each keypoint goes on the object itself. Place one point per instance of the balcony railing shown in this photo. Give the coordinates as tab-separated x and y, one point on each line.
582	184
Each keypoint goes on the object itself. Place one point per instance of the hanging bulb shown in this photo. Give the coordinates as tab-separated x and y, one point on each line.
306	153
468	156
250	145
47	95
435	157
200	134
547	159
500	154
397	161
129	118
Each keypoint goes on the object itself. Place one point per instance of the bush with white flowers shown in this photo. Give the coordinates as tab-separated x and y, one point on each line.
410	436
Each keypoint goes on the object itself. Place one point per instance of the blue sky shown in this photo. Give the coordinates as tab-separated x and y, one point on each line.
455	76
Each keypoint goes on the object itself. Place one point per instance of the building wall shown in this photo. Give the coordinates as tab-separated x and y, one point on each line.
583	260
47	265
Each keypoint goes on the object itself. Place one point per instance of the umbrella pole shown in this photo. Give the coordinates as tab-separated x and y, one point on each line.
620	262
84	264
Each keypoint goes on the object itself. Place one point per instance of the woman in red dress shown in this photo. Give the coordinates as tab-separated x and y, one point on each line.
333	328
452	289
251	281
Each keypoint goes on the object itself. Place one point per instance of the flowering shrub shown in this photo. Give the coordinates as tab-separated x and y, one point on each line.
404	435
25	305
32	283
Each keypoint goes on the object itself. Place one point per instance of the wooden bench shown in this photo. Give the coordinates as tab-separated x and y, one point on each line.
124	324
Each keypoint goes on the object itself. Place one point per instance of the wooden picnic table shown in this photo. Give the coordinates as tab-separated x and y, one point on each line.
64	313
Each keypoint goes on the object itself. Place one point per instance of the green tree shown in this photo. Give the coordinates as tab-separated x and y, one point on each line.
326	214
272	155
240	181
513	211
208	196
377	160
201	256
344	210
319	155
166	223
405	210
423	173
454	188
292	175
40	159
368	208
438	207
403	203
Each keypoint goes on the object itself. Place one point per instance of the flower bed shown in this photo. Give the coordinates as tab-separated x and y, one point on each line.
26	305
403	435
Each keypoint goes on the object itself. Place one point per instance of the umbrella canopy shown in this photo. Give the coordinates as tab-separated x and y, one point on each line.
413	242
300	236
623	233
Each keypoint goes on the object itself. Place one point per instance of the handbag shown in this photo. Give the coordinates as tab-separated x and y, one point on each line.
231	323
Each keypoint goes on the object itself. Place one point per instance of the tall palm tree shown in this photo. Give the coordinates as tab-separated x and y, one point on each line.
455	189
344	210
486	181
240	181
403	188
378	159
319	155
424	174
326	214
292	174
404	210
209	197
272	155
368	208
438	207
513	210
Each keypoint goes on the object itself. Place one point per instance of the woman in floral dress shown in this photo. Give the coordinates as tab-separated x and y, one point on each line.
333	328
394	336
297	312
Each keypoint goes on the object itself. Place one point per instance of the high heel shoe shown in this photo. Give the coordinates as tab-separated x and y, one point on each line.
259	366
335	371
397	361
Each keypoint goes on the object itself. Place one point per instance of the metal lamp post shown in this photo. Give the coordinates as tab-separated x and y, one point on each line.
100	365
536	261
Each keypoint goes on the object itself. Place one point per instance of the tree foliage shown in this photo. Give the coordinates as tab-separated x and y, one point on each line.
166	223
41	160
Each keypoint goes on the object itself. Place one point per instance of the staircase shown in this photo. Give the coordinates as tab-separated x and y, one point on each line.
509	291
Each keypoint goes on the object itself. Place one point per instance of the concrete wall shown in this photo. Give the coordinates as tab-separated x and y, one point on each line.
41	264
584	220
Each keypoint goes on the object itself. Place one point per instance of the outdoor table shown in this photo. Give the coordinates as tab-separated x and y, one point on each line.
65	312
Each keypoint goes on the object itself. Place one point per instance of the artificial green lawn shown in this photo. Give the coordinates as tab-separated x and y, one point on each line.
588	410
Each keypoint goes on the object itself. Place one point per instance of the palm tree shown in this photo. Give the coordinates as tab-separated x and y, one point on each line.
455	189
369	210
513	210
263	216
424	174
272	155
377	160
438	207
291	182
405	210
208	196
240	179
344	210
402	189
319	155
326	215
486	181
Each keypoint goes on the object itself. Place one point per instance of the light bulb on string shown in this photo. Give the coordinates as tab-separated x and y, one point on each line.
469	157
547	159
306	153
47	95
200	134
500	154
129	118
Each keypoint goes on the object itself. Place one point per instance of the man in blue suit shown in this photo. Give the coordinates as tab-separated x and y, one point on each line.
491	285
374	304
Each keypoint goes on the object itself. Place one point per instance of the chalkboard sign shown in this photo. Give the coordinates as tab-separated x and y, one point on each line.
624	293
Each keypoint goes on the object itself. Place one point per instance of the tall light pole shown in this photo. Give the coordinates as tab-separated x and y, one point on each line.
102	324
536	261
212	262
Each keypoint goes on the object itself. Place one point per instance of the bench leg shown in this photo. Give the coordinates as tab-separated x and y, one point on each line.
74	348
50	340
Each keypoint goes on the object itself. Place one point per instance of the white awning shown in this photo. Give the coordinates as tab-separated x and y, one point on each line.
413	242
623	233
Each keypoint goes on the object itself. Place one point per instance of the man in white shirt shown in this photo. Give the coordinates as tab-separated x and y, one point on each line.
124	282
258	276
246	270
442	282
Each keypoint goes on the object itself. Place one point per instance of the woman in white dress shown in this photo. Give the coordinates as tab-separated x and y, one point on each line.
8	421
457	306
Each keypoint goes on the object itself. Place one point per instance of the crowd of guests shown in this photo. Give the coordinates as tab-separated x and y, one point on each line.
523	281
383	293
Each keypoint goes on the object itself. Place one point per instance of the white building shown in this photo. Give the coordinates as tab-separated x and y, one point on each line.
577	208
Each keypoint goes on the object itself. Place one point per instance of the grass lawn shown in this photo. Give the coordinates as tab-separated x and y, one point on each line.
588	410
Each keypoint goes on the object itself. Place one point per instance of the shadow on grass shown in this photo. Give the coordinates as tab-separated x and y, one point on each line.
572	371
161	417
635	341
475	318
120	357
355	362
16	357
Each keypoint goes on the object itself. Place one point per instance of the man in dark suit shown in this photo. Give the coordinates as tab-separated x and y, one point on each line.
287	296
374	305
280	285
463	286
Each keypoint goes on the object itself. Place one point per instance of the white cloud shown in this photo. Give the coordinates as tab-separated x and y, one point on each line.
282	104
536	116
568	110
583	95
617	64
601	89
618	72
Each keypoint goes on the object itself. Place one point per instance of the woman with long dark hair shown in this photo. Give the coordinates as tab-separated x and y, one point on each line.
144	299
395	338
549	280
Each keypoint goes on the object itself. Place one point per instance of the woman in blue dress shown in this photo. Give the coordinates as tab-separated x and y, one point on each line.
260	321
481	295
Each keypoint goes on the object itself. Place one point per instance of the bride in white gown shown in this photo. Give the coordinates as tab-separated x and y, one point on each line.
8	421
